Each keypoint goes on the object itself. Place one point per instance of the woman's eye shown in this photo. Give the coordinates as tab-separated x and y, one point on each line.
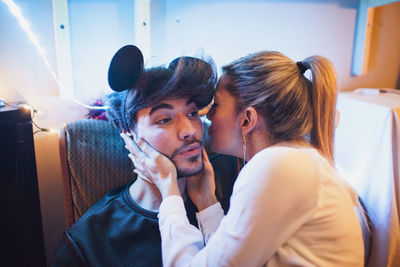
163	121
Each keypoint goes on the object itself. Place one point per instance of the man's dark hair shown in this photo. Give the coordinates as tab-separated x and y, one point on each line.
185	77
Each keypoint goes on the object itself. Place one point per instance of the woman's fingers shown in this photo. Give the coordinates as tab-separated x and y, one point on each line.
142	176
132	146
139	170
207	164
135	162
137	147
147	148
205	156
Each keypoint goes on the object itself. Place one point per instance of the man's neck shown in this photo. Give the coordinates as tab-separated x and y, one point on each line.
147	195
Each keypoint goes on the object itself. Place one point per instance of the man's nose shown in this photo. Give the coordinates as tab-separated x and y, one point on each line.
186	129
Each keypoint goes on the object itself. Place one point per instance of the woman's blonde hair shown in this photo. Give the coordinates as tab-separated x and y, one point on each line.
291	105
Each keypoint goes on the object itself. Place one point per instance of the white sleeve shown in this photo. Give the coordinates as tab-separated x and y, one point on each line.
273	196
180	240
209	219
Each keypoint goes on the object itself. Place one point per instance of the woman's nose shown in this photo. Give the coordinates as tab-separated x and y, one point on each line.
210	113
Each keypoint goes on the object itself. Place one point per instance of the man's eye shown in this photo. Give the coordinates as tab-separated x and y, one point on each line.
194	113
163	121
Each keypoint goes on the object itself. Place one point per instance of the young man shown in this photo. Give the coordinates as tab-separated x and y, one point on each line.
122	228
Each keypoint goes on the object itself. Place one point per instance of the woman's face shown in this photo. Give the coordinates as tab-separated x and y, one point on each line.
225	131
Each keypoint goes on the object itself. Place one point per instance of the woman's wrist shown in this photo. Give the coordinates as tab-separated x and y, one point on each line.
206	202
170	188
170	192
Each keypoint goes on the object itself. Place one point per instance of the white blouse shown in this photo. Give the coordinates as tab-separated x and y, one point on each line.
288	208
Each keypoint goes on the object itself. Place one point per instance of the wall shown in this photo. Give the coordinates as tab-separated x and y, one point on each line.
224	29
97	29
22	71
227	30
384	63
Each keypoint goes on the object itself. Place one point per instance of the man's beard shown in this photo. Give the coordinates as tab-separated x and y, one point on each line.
196	162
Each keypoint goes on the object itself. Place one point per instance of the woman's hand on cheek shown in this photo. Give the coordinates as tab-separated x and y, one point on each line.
201	187
152	166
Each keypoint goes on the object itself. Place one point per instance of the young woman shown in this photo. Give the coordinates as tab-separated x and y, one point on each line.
289	207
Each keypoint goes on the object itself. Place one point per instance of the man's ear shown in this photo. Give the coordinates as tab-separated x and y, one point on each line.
249	120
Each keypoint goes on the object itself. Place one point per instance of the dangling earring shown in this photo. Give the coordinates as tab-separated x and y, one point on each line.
244	148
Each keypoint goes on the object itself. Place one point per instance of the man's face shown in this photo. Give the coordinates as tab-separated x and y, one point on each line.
174	128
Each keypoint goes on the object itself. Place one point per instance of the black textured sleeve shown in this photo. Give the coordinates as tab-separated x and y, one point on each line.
68	253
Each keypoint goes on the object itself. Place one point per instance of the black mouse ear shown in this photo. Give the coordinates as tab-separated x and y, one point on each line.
125	68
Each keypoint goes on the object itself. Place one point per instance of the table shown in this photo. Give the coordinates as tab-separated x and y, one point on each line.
367	148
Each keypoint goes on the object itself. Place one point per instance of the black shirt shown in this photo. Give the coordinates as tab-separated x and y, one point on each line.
117	232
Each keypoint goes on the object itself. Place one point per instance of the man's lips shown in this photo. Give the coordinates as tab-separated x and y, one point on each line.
190	150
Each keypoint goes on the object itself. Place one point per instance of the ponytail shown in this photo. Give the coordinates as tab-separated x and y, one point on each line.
292	106
323	99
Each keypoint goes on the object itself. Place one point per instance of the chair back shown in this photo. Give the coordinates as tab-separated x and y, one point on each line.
93	161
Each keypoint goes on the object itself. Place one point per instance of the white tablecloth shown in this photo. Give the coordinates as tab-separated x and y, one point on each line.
367	148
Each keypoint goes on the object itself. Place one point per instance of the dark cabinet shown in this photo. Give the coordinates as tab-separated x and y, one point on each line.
21	233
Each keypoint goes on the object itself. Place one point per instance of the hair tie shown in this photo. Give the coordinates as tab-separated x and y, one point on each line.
302	67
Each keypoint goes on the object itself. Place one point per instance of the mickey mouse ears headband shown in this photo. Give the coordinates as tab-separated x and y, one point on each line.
127	65
125	68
